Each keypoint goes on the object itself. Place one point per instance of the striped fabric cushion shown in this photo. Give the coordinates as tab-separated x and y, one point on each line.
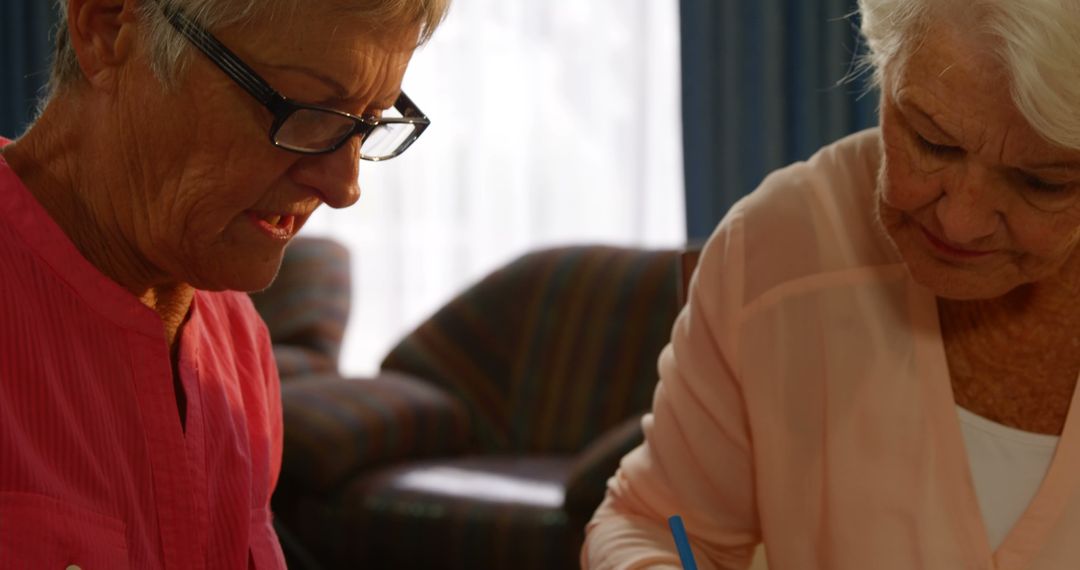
295	362
553	349
337	428
307	306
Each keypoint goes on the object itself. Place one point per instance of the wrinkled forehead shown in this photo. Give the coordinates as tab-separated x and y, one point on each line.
339	49
953	75
939	48
392	23
968	95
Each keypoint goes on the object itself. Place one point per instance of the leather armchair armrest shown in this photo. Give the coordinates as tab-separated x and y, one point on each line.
592	468
336	427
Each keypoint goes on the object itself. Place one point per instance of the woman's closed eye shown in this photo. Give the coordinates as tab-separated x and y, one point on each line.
936	149
1037	184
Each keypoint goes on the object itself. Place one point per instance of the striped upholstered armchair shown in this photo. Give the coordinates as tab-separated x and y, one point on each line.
487	439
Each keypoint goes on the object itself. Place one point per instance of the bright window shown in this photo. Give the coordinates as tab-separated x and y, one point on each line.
553	122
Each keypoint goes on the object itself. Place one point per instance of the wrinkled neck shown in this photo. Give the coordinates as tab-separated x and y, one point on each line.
78	182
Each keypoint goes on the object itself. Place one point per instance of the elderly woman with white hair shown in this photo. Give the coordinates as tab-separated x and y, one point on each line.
879	356
182	145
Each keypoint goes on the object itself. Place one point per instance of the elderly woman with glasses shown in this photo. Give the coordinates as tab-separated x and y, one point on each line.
877	366
182	144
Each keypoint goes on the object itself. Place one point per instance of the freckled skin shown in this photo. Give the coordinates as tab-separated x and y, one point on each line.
1010	318
972	201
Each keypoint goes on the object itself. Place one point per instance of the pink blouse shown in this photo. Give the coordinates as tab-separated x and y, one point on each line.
805	402
95	468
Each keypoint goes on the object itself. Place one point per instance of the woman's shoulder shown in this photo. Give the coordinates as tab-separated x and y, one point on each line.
809	219
828	201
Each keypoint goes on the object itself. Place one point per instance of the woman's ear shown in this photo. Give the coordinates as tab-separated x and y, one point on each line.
103	34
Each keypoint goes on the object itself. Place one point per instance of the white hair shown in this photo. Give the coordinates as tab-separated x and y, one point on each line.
1038	42
168	48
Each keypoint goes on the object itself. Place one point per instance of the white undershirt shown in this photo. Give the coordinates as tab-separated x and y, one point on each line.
1007	466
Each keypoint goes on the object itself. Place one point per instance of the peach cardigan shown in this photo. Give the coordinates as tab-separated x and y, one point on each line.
804	401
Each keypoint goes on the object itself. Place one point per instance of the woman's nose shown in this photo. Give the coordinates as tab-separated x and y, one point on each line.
335	175
969	208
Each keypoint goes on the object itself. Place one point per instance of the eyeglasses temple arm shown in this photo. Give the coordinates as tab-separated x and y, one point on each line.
407	108
226	59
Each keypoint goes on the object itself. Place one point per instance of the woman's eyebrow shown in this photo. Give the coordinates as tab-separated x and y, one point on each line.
339	90
915	109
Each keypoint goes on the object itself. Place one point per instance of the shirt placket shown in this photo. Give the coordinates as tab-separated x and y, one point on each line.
180	498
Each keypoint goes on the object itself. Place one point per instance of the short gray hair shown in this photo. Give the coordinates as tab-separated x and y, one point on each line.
169	48
1038	42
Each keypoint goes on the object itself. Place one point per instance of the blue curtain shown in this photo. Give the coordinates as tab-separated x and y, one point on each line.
760	91
24	60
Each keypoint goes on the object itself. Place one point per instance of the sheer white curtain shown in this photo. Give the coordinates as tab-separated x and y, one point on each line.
553	122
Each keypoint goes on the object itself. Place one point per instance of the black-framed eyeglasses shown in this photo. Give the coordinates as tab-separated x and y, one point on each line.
303	128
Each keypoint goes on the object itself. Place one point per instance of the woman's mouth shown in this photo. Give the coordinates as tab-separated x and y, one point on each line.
278	226
953	251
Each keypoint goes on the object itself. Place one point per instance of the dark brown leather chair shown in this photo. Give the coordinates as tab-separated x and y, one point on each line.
488	438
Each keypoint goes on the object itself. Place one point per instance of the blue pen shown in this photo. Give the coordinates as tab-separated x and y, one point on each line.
682	543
